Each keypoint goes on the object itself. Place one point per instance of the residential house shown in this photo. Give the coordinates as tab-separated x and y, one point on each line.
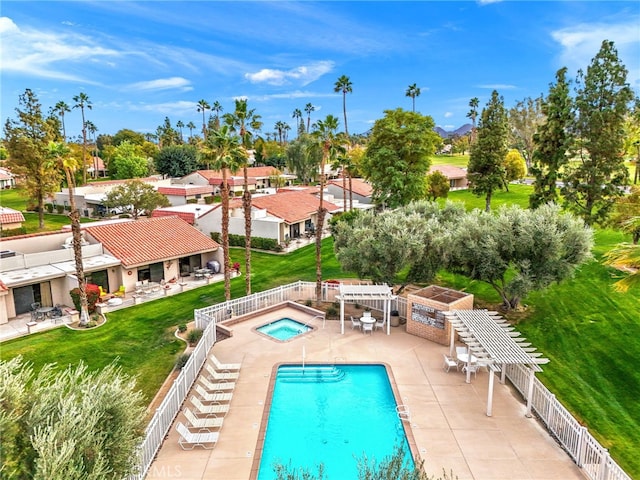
259	178
7	179
283	216
10	219
181	194
41	267
189	212
361	189
97	168
457	176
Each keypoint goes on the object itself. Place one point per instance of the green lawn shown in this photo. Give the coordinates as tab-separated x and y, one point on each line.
517	194
456	160
590	333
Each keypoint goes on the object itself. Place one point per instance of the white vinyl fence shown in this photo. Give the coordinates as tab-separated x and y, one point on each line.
583	448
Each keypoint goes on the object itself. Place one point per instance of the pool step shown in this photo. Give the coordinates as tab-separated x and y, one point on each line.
310	373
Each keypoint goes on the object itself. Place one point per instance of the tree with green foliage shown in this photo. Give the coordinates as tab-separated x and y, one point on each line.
524	120
602	102
167	135
625	215
226	153
203	106
343	85
303	158
517	251
68	425
245	122
437	185
27	142
625	257
309	108
473	115
127	135
177	160
552	142
135	197
514	167
127	162
486	162
413	91
398	157
61	108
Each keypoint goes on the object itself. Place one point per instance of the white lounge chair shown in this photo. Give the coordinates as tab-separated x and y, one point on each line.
219	376
215	408
355	323
450	362
367	327
213	387
189	438
212	396
228	367
204	424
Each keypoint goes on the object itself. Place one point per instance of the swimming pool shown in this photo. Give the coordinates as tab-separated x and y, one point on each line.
331	415
284	329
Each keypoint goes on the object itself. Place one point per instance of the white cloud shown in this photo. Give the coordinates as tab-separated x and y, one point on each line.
302	75
291	95
580	43
38	53
497	86
172	83
487	2
448	114
168	108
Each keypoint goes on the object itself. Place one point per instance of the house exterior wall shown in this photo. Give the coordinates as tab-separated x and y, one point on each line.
438	331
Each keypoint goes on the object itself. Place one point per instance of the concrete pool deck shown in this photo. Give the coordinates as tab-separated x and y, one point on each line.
449	423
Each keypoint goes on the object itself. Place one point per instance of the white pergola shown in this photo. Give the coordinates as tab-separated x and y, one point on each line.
495	343
358	293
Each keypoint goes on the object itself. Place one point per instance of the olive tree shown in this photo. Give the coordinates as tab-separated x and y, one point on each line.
70	424
517	251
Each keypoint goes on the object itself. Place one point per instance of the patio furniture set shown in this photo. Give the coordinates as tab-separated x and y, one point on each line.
463	361
367	323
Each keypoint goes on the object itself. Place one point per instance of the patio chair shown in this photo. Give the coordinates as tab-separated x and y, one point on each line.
224	367
473	368
450	362
189	438
367	327
355	323
217	396
204	424
380	324
216	375
215	408
213	387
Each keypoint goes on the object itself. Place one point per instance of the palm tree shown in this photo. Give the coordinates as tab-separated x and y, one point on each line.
61	155
245	122
82	102
180	125
626	256
191	126
473	114
309	108
203	106
217	108
286	128
92	129
223	149
343	84
279	126
325	134
413	91
61	108
297	115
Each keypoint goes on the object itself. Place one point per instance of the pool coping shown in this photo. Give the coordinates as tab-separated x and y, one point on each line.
257	457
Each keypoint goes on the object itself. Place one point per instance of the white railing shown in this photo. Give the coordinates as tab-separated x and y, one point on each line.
581	446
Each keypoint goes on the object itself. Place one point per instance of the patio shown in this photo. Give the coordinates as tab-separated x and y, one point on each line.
448	423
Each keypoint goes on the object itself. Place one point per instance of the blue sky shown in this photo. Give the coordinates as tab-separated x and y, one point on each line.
142	61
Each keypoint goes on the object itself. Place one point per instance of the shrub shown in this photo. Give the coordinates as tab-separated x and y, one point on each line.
194	336
182	360
192	200
182	328
13	232
49	207
308	302
332	311
60	208
93	294
208	200
216	236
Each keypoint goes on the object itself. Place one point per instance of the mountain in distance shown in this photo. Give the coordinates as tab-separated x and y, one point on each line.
458	132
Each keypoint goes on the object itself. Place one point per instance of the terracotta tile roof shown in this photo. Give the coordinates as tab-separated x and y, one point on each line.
9	215
358	186
251	172
3	287
449	171
188	217
233	181
5	176
151	240
97	163
185	190
292	207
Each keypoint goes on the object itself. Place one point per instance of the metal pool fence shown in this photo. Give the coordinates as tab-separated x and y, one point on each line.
581	446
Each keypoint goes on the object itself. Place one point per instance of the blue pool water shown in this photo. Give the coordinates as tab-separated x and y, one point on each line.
331	415
284	329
